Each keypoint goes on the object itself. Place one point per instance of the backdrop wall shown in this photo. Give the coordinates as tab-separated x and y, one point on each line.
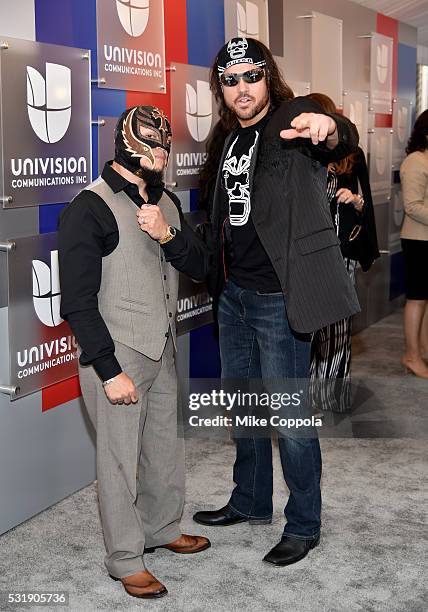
46	447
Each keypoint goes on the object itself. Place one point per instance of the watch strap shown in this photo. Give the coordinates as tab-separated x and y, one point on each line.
169	235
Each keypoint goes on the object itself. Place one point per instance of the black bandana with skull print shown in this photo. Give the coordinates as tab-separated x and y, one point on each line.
239	51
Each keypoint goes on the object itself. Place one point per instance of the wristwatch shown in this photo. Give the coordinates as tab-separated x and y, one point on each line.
170	234
107	382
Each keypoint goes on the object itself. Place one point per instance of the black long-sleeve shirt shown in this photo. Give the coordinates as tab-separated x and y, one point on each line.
88	232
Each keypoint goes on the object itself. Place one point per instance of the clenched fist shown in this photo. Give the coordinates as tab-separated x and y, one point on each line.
151	220
121	390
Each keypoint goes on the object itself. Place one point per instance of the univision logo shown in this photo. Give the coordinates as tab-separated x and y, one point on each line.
133	15
402	123
382	63
398	210
199	110
381	146
46	291
356	113
248	19
49	101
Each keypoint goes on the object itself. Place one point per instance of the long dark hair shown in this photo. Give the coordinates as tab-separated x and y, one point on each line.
418	139
344	166
278	88
208	172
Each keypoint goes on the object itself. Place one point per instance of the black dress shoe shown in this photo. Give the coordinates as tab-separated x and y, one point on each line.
224	517
290	550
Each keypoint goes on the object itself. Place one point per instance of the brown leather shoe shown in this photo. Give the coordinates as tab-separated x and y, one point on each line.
142	585
185	545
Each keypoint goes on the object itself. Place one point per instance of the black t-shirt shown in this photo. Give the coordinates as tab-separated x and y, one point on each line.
250	266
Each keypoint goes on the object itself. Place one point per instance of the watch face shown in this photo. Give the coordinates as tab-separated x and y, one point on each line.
172	231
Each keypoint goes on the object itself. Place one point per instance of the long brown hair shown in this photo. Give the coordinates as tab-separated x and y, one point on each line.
418	138
277	87
344	166
208	173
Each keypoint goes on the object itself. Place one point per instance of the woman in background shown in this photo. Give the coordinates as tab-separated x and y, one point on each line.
414	240
353	217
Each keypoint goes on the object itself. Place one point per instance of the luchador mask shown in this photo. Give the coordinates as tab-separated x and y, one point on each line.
130	141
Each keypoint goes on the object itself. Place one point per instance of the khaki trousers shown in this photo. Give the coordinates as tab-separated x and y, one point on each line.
140	459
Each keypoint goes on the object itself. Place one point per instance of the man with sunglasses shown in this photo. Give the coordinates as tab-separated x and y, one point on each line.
277	273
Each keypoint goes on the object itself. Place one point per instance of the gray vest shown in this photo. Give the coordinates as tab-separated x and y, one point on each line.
139	289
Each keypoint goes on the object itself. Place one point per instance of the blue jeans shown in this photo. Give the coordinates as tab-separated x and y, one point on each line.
256	342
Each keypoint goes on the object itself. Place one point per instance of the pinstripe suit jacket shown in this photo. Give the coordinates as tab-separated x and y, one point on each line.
291	215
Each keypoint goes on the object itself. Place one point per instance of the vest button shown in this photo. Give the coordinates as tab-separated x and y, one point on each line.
164	277
167	335
170	314
167	296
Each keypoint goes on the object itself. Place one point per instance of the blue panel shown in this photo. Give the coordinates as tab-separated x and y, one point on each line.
406	81
48	217
110	102
204	353
194	197
205	25
69	22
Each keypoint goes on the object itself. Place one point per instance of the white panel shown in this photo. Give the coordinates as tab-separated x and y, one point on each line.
380	142
396	216
326	53
355	107
248	18
422	54
17	19
300	88
381	48
402	125
422	86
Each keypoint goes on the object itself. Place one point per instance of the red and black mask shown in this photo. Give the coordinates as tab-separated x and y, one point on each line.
131	144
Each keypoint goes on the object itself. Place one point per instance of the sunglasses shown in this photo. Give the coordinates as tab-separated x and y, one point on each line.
250	76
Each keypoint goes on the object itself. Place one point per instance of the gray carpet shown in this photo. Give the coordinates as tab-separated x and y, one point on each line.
372	555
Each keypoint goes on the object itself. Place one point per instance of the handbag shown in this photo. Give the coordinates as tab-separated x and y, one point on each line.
349	230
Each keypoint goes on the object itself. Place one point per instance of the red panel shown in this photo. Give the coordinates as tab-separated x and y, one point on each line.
175	51
383	121
162	101
176	31
60	393
389	27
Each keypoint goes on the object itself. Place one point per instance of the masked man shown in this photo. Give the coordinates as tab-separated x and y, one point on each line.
122	241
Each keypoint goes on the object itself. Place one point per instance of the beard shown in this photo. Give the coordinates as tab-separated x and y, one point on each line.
251	112
154	178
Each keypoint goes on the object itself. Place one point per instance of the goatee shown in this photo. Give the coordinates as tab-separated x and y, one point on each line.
250	113
154	178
